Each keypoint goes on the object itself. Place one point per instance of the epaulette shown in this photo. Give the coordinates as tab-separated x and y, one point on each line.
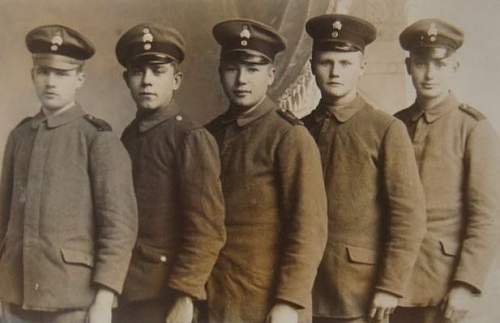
100	124
289	116
24	121
472	112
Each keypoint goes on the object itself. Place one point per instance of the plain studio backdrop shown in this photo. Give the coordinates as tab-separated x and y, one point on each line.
106	96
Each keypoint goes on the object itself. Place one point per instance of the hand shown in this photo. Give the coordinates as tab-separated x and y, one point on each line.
101	308
383	305
282	313
182	311
457	303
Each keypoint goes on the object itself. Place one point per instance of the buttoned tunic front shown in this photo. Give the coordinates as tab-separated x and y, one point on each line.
458	155
376	217
68	217
275	215
176	171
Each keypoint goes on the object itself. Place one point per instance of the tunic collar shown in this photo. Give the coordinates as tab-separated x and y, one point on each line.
148	120
58	119
255	113
435	112
341	113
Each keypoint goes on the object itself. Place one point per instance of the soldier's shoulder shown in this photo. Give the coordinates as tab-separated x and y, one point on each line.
23	122
378	116
185	124
472	112
289	117
99	124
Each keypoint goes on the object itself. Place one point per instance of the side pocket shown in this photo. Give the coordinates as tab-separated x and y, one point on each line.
449	248
152	254
76	257
361	255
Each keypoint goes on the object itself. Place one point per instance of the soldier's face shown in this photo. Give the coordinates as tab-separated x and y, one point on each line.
246	84
152	85
337	73
431	77
56	88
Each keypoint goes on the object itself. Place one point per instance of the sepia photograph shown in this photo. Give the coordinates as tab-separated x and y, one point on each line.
265	161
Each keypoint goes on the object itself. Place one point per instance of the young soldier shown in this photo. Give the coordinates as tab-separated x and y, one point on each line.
176	177
68	216
272	184
375	200
458	154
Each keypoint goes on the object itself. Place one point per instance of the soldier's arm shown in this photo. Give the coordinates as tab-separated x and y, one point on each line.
303	209
405	207
202	214
6	186
115	210
482	206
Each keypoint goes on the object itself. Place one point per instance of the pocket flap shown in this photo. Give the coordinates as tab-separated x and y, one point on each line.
153	254
449	248
361	255
77	257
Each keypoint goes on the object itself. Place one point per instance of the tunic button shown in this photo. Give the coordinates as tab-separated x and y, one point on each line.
163	258
178	118
37	286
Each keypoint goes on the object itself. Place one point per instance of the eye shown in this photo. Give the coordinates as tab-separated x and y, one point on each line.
62	73
42	71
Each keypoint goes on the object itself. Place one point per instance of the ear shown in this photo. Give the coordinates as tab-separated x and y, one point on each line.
271	74
313	69
80	77
178	76
408	64
32	72
125	77
363	64
456	65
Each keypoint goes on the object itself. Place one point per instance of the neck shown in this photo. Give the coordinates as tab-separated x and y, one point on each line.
52	112
427	104
339	101
244	110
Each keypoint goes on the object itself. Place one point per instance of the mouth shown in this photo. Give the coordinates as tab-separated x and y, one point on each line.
334	83
50	94
241	93
147	94
429	85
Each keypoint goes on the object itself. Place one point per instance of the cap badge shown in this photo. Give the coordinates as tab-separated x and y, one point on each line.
432	32
245	35
337	27
56	41
147	38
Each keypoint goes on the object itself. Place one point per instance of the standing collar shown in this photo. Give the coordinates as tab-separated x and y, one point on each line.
248	117
436	111
147	120
58	119
342	113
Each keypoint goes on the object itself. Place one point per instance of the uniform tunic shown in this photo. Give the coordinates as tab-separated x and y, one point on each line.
176	172
68	216
275	215
458	155
376	217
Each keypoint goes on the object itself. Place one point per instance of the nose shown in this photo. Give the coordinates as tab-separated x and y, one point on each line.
146	77
50	80
334	70
430	71
242	76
